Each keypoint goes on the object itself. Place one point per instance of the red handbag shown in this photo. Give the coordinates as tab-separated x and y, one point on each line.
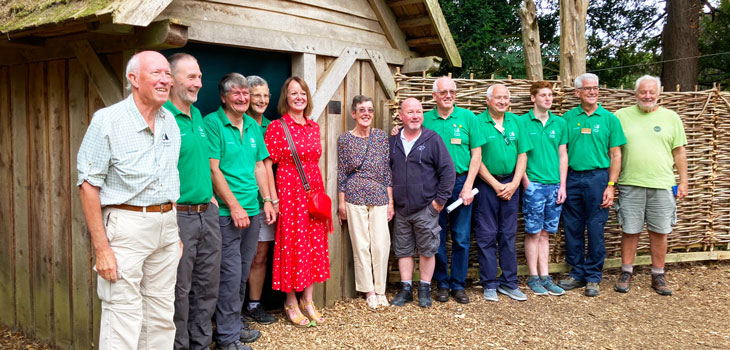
319	204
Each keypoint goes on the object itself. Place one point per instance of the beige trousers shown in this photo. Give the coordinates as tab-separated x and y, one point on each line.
137	311
368	226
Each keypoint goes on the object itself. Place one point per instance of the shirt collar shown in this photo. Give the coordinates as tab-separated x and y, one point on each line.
137	120
551	116
488	117
600	111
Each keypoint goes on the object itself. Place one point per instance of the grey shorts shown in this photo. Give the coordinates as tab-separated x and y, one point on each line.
266	232
419	230
636	205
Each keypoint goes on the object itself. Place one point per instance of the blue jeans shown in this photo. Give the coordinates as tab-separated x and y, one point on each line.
582	209
495	227
238	250
459	221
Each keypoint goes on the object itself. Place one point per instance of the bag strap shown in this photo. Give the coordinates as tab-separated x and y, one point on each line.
295	155
364	156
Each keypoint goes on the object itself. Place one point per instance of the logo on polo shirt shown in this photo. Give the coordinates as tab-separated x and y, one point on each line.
597	128
201	131
253	143
657	128
552	134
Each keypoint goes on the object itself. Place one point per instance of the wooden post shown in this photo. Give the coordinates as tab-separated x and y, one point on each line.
531	40
305	65
572	39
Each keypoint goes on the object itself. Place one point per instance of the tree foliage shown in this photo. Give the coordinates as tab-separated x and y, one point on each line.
714	45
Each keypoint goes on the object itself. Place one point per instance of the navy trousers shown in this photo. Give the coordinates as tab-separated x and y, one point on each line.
495	227
582	212
458	222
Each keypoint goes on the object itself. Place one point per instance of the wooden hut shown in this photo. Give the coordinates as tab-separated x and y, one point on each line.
64	59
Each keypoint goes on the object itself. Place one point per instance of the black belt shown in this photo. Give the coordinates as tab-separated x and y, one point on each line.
503	177
462	174
196	208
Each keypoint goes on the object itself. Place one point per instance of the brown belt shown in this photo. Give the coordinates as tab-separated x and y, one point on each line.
199	208
165	207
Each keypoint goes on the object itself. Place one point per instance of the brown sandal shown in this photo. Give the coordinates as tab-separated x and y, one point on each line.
314	315
299	319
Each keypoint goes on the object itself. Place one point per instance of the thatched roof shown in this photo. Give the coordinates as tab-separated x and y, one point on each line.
16	15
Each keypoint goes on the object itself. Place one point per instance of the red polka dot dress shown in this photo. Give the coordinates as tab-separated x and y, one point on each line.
301	255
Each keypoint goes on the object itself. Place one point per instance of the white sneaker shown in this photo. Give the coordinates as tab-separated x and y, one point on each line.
383	300
372	301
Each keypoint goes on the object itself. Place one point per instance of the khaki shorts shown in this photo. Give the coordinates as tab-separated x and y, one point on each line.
637	205
419	230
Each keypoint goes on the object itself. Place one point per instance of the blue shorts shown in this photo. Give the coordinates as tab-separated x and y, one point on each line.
539	208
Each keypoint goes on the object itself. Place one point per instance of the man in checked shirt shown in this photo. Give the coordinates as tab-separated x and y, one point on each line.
128	181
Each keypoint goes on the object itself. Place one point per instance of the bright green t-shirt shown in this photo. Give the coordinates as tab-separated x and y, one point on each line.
460	132
591	137
196	186
646	158
238	156
499	153
543	160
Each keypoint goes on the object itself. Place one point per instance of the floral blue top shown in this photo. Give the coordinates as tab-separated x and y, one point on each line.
368	185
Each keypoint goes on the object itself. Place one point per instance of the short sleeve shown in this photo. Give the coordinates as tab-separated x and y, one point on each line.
212	129
477	136
563	131
679	138
275	140
94	154
616	137
523	139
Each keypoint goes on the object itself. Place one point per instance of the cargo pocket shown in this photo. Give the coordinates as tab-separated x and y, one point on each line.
619	217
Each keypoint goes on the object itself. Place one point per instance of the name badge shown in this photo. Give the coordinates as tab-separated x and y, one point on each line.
455	141
585	131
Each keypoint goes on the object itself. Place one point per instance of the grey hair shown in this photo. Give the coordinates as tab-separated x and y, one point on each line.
650	78
255	80
230	81
435	89
490	89
358	99
578	83
177	57
132	67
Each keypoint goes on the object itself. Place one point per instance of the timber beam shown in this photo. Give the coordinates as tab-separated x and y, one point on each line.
332	79
100	74
382	73
425	41
418	65
415	22
398	3
162	35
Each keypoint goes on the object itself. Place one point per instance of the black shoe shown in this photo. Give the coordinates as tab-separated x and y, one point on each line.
460	296
571	283
442	295
404	296
424	295
236	345
249	335
258	315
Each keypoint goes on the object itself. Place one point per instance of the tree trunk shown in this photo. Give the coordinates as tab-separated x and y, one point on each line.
531	40
572	39
680	45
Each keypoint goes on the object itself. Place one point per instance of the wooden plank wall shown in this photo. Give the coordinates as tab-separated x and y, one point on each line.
47	287
360	80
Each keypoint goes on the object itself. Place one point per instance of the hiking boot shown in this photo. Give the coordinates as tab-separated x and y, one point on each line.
515	294
405	295
659	284
424	295
571	283
249	335
490	295
536	286
460	296
258	315
236	345
592	289
442	295
552	288
624	282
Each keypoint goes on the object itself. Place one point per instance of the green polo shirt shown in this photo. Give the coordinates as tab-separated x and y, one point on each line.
590	138
500	152
460	132
264	125
238	156
196	186
543	160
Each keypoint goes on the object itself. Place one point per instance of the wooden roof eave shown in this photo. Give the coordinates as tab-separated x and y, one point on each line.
444	34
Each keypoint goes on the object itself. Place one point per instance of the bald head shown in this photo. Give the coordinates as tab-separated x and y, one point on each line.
411	114
149	76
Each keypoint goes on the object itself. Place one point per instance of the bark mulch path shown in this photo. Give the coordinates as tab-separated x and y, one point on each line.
695	317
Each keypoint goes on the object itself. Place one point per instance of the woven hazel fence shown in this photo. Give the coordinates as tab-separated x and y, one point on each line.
703	216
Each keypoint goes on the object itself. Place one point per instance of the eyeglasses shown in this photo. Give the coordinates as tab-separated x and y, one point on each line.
589	88
444	93
261	96
365	110
504	136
